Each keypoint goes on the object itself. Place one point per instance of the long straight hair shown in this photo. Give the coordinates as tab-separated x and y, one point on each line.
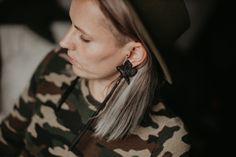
126	107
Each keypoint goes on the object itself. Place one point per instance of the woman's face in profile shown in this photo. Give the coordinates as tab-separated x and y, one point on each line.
92	48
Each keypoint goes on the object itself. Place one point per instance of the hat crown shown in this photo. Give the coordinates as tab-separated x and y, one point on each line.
165	20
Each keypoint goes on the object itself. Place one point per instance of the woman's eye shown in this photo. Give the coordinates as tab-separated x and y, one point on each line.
84	39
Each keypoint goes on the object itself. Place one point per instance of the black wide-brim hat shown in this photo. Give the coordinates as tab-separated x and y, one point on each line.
161	22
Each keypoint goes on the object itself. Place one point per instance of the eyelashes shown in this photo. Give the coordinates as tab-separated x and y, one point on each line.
84	39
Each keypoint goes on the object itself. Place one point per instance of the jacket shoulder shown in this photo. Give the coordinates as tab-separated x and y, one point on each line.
168	131
53	76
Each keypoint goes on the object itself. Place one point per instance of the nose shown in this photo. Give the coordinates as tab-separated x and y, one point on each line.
67	41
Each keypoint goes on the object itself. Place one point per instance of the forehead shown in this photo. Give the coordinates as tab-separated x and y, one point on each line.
87	15
86	11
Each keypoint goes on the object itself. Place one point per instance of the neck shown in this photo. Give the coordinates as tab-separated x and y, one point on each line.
100	88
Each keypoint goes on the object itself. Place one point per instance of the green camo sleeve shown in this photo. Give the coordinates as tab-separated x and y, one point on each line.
13	127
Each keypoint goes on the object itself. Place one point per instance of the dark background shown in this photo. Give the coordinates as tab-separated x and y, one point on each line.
201	64
204	88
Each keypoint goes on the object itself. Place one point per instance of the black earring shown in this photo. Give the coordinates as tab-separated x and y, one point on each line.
127	70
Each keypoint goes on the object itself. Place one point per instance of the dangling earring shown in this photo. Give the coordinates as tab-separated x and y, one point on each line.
127	70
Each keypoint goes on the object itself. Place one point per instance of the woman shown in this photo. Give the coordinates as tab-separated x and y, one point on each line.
104	102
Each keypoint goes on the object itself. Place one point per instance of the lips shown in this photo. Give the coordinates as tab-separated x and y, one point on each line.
72	60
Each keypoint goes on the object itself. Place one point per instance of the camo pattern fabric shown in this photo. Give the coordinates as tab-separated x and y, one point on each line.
39	127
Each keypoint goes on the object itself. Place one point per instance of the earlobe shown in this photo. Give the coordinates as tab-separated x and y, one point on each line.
137	55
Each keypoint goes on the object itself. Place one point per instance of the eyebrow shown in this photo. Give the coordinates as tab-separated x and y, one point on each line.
81	30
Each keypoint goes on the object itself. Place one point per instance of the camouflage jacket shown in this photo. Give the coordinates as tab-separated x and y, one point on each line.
55	106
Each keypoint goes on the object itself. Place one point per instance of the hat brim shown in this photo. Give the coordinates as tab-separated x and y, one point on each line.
157	23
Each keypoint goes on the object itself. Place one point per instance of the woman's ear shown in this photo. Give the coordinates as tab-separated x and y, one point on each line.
136	53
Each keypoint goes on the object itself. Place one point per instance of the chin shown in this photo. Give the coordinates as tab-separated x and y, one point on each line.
80	73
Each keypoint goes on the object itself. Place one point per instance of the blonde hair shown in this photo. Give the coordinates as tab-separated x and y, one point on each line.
127	105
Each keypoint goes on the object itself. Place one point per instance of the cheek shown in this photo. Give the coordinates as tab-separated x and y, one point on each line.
109	62
103	60
98	53
109	56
